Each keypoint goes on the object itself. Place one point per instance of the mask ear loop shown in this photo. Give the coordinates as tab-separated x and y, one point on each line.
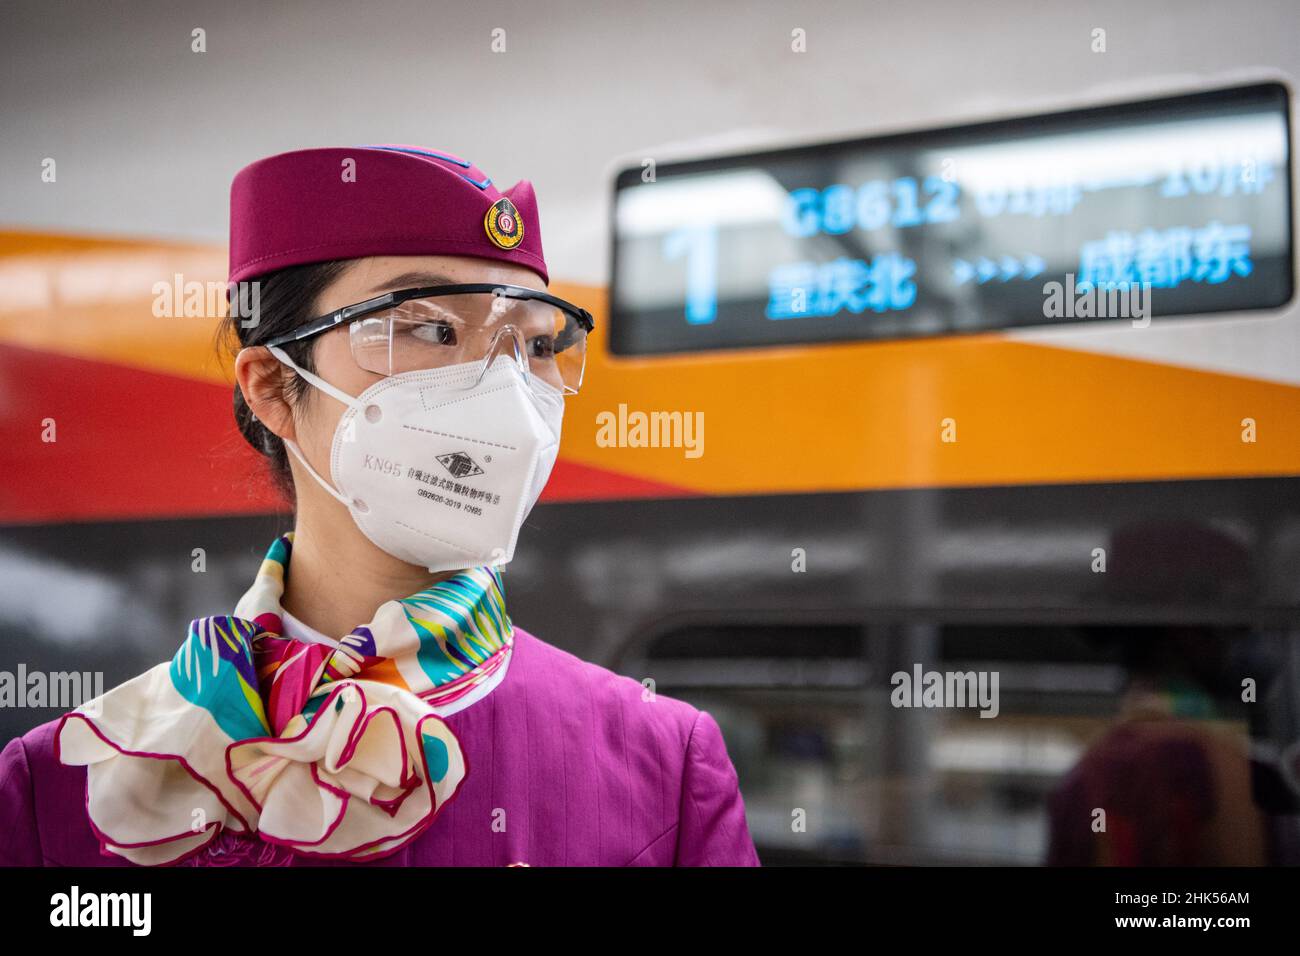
329	389
316	380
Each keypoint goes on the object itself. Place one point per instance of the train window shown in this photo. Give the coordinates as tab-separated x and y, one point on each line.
1146	722
1173	206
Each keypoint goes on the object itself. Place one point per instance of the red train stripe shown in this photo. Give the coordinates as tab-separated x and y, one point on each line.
130	443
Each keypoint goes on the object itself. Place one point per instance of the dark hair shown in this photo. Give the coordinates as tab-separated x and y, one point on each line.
286	299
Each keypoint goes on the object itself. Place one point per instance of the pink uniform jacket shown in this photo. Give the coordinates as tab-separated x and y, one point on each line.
568	766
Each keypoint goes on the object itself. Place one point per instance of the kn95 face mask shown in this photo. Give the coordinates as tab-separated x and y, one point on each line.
440	467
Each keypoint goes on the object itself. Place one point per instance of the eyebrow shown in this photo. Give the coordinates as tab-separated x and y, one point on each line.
411	280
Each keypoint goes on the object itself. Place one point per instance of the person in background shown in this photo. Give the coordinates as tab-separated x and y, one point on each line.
1173	780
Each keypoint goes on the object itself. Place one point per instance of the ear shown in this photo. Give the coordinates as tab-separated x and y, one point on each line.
262	378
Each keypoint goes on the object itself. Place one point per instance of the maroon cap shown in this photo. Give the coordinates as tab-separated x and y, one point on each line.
312	205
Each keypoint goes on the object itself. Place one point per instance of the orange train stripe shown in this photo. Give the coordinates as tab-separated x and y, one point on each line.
821	418
95	299
871	415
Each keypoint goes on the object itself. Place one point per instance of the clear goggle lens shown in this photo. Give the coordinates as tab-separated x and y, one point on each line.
439	331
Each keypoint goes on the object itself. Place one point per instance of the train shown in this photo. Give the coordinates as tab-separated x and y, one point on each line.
831	435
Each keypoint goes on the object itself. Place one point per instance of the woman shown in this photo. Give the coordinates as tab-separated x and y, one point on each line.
369	700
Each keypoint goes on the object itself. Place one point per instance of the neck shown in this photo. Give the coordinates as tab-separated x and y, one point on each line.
337	578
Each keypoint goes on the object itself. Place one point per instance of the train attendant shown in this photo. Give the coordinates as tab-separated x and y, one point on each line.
369	699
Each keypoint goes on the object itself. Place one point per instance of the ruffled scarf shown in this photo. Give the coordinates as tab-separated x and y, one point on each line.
335	752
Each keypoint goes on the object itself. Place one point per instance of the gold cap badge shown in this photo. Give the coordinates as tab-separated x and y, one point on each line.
503	225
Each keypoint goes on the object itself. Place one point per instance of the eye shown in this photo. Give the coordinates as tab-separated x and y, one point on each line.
543	346
435	333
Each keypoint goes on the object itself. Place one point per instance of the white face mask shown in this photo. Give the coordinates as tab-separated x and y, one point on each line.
437	470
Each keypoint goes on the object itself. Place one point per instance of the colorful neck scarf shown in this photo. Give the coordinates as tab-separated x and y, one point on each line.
332	752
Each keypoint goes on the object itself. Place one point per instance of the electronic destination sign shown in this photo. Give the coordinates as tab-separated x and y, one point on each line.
1176	206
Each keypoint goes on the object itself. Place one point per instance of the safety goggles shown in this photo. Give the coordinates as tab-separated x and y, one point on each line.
432	327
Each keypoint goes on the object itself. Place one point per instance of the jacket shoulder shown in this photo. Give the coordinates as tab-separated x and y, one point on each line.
38	747
604	692
33	784
676	749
